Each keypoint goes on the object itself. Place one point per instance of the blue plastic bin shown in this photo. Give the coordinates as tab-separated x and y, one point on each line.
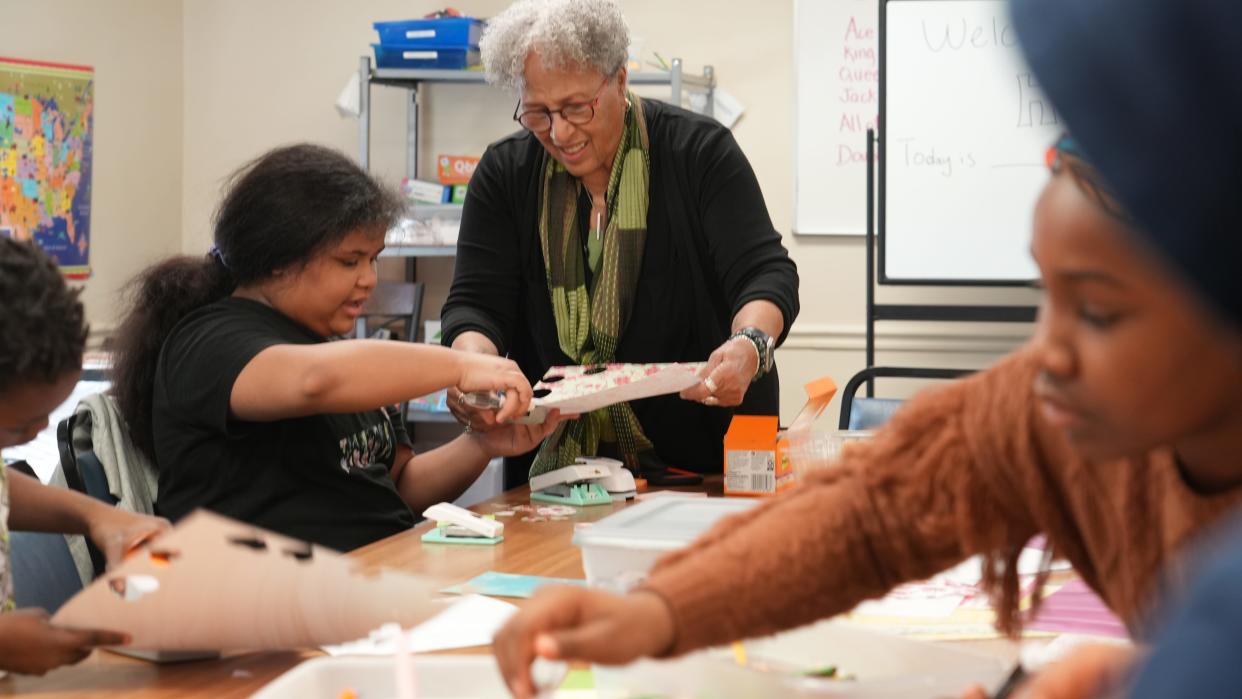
445	33
392	56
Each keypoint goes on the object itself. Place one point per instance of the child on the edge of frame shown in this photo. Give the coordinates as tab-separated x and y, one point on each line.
1115	443
1181	185
41	343
230	380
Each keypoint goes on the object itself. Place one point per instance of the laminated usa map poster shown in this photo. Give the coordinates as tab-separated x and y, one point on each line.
46	112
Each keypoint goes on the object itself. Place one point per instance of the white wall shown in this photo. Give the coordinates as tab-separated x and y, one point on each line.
135	49
253	81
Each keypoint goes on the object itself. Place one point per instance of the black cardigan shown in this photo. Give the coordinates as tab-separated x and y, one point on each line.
711	248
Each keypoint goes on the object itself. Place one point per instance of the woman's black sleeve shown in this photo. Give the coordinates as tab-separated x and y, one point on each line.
487	280
748	257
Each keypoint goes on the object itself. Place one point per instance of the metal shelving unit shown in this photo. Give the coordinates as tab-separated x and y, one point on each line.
413	79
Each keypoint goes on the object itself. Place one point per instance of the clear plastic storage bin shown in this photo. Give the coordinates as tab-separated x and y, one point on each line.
618	550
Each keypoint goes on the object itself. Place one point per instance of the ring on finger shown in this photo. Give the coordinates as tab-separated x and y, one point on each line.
711	385
711	400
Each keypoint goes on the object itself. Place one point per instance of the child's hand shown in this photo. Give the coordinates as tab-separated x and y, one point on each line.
117	532
511	440
29	645
574	623
484	372
1093	670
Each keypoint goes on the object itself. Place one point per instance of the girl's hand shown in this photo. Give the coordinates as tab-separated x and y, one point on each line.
574	623
483	372
30	645
117	532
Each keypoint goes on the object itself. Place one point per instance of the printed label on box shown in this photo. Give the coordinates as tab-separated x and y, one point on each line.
419	55
455	169
421	34
748	470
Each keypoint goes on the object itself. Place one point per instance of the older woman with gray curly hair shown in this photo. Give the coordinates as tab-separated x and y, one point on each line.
616	229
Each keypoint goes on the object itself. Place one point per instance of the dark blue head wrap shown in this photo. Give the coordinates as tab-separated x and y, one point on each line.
1152	91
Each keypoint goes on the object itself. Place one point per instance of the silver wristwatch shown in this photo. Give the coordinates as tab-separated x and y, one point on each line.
765	348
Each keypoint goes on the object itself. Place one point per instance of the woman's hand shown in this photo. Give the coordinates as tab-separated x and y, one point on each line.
117	532
511	440
727	375
29	645
486	373
574	623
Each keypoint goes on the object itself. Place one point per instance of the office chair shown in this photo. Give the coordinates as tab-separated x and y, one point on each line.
869	413
44	574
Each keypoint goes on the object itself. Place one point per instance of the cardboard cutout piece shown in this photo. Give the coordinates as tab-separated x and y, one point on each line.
214	584
581	389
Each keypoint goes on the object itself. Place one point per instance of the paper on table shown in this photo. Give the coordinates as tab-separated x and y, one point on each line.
470	621
1075	608
507	584
949	605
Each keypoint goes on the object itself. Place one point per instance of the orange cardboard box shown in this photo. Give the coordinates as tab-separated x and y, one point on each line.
753	460
455	169
755	451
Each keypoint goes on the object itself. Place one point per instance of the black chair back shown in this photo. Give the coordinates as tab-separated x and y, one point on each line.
871	373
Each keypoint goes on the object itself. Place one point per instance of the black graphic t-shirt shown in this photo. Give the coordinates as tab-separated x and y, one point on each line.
321	478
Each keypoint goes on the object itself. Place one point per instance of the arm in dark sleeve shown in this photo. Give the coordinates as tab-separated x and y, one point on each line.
746	252
487	279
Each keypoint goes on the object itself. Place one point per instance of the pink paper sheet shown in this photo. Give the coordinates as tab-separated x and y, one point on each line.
1075	608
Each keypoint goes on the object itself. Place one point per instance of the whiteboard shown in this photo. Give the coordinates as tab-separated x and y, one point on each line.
963	136
837	65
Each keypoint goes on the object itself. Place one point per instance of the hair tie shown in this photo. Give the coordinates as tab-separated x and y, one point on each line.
218	256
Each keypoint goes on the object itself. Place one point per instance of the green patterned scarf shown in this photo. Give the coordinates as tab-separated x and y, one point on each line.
590	322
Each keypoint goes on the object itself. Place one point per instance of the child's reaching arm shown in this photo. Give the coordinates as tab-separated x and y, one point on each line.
39	508
926	493
288	380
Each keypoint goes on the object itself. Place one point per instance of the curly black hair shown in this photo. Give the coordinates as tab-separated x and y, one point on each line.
44	325
279	211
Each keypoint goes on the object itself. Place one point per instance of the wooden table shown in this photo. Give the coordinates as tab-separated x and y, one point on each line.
531	548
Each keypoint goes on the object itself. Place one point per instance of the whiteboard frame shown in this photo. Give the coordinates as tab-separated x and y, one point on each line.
882	275
797	150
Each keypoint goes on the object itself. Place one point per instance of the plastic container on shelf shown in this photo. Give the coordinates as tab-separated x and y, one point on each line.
402	56
427	224
618	550
446	32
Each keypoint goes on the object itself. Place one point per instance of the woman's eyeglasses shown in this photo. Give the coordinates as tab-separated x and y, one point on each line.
578	113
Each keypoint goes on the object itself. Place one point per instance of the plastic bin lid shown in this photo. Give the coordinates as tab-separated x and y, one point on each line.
665	523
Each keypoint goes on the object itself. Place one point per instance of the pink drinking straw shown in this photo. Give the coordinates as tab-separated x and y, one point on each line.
407	682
